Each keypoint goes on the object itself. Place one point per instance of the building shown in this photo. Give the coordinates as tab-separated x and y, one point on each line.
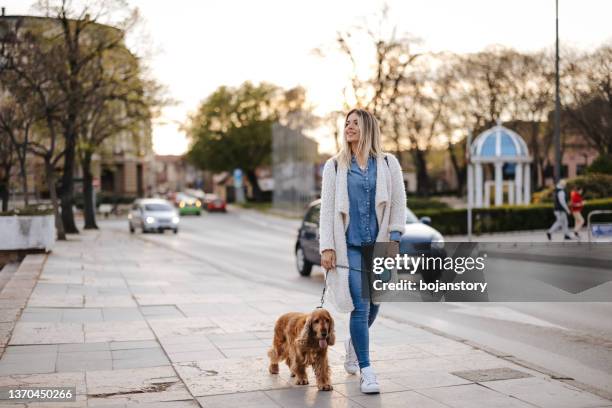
123	164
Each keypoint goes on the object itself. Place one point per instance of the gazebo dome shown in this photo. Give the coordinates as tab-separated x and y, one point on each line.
499	144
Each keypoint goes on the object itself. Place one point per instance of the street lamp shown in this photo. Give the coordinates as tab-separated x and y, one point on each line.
557	134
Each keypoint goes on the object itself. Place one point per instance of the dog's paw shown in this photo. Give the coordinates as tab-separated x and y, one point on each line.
273	368
293	374
301	381
325	387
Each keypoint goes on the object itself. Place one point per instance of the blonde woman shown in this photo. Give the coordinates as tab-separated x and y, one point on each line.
362	201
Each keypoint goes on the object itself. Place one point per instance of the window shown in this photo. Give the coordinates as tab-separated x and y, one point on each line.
157	207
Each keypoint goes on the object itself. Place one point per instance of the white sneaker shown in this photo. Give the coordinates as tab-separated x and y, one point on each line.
351	364
369	383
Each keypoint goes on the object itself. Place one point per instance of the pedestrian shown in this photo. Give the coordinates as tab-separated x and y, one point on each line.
561	212
363	201
577	204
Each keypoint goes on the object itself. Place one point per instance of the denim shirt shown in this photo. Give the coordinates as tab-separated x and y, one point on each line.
363	225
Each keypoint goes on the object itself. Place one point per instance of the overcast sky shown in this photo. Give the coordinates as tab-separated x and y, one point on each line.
199	45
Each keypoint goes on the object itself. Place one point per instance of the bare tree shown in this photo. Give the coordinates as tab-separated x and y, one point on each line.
16	124
588	81
80	40
7	159
26	58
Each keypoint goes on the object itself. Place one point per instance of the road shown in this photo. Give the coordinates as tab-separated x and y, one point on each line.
571	339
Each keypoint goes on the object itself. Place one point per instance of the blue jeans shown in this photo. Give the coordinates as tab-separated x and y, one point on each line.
364	313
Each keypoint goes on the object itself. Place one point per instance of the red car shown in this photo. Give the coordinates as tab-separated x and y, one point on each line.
212	202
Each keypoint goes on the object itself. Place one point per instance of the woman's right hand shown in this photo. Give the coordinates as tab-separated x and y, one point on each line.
328	259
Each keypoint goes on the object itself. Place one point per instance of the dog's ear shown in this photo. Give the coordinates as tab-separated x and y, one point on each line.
306	330
331	340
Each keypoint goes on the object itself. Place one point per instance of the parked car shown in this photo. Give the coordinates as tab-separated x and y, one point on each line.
213	202
418	238
153	214
187	204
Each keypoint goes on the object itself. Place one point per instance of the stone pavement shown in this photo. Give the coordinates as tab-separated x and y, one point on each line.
130	323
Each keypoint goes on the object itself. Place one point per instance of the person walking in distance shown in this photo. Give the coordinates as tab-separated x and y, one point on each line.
577	204
363	201
561	212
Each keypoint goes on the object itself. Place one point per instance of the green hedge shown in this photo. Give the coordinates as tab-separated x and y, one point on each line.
595	186
504	218
105	198
421	203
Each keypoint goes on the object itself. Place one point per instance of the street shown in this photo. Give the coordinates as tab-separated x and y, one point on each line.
571	339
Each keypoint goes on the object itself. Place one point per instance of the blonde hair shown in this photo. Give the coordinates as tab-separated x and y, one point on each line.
369	138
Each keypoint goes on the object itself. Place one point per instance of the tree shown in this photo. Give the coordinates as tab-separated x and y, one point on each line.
26	56
233	128
589	84
15	125
7	159
79	42
121	105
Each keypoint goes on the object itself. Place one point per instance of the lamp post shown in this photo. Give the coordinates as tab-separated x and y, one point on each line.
557	134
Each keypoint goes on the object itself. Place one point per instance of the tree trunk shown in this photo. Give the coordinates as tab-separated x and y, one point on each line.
420	161
459	170
24	179
68	186
4	194
50	175
89	205
254	184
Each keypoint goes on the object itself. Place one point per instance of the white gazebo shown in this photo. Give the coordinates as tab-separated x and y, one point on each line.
498	146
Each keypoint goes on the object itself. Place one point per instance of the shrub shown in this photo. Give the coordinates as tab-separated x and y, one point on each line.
503	218
421	203
602	164
595	186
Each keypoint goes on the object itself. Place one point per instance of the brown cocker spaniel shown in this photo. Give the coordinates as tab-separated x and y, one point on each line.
301	340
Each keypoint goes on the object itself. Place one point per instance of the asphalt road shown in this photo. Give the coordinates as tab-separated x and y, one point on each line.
571	339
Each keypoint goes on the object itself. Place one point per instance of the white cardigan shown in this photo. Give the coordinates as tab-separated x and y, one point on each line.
390	204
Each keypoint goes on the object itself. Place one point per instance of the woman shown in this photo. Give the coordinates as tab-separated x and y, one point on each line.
577	204
362	201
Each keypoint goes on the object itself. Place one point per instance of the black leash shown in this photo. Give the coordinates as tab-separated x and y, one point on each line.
325	285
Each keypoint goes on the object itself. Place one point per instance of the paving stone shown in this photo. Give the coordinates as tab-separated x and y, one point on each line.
117	331
472	396
27	367
142	386
47	333
82	315
47	348
226	376
397	400
203	345
309	396
261	351
254	399
79	347
545	393
140	362
423	378
196	356
491	374
114	314
70	365
129	345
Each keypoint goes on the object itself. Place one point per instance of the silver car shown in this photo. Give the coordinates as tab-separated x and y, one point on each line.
153	214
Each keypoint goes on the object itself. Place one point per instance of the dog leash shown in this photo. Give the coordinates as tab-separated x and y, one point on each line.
325	284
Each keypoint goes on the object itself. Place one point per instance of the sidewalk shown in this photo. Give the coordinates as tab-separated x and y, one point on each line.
130	323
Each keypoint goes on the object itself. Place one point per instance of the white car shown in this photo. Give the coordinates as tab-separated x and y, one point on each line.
153	214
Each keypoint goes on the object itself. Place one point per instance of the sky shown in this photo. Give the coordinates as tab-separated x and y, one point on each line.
194	46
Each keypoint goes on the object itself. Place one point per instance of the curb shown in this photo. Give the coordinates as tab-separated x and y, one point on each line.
16	293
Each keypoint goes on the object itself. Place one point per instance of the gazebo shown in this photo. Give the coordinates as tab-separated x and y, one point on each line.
500	147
